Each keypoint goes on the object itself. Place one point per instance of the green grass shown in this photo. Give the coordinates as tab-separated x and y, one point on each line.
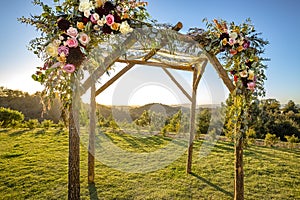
34	165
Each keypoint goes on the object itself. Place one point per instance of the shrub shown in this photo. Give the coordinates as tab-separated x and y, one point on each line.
32	123
10	118
292	140
250	136
271	139
47	124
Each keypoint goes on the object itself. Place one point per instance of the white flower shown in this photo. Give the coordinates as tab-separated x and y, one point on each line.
84	39
102	21
52	50
86	6
96	16
125	28
87	13
251	75
233	35
56	43
244	73
241	40
72	32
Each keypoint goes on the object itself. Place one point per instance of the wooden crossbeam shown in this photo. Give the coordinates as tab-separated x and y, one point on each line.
178	84
130	64
156	64
200	73
112	80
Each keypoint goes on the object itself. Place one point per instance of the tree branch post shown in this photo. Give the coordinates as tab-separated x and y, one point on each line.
91	152
74	158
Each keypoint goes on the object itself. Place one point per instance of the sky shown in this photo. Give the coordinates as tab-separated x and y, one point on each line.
277	20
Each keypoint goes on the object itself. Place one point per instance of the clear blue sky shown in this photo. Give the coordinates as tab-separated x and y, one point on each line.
278	20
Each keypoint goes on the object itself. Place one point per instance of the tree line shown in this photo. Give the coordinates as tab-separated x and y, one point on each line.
269	119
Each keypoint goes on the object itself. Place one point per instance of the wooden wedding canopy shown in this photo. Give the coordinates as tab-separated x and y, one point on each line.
132	54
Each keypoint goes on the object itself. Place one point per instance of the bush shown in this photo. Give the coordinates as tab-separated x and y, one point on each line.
32	123
250	136
292	140
47	124
271	139
10	118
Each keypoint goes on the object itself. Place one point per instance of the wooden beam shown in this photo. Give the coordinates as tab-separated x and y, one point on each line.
112	80
200	73
221	71
108	62
178	84
92	135
130	64
192	125
156	64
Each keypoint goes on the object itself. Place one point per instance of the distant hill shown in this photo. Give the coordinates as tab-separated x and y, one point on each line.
131	113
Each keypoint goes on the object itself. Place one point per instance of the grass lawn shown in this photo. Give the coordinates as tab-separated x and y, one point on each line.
34	165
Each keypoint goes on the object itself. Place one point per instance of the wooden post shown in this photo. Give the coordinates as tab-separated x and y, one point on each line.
239	171
91	152
192	125
238	152
74	159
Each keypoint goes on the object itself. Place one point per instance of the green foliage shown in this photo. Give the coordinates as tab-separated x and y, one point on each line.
32	124
30	105
290	107
250	136
46	124
10	118
271	139
173	124
292	140
203	121
144	119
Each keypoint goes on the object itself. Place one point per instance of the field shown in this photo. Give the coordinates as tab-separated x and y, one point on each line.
34	163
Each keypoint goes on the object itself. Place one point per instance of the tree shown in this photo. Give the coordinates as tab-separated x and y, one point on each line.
271	140
290	106
144	119
203	121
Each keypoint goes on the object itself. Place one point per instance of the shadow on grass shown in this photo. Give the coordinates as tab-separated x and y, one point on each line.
59	132
93	192
4	130
212	184
17	133
39	132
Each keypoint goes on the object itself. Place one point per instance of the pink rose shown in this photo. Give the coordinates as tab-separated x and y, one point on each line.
69	68
94	18
72	32
72	43
251	86
110	19
63	50
231	41
84	39
246	44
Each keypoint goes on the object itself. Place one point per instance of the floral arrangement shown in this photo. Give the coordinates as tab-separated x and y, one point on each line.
239	48
72	30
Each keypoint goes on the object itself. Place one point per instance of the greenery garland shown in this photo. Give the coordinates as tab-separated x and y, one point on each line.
240	49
